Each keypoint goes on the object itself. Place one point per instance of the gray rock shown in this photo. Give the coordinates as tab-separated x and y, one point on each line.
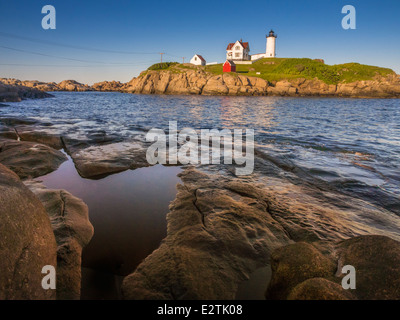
29	159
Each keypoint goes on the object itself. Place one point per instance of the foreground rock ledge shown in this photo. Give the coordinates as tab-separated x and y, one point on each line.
69	218
27	242
217	236
222	228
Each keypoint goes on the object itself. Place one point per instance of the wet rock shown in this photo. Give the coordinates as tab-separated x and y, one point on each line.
69	218
27	242
28	134
219	232
29	159
100	160
317	213
376	260
7	133
319	289
293	264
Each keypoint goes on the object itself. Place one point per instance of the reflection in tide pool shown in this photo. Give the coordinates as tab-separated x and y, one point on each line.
128	212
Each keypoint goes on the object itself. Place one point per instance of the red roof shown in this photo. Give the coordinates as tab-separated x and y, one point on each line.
230	62
244	45
200	57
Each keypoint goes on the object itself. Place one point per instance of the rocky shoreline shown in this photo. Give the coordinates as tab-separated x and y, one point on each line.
220	227
199	82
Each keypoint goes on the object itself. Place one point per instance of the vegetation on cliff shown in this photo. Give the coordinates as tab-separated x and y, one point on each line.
278	69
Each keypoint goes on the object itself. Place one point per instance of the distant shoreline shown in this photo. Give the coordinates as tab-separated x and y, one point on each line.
275	77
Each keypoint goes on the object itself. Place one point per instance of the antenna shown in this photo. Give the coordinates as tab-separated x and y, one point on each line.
161	53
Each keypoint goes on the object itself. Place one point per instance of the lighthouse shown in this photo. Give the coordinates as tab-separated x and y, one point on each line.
271	40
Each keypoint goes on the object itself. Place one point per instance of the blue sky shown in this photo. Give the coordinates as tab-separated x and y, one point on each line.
308	28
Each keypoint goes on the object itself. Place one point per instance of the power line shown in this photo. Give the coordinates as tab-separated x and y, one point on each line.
63	58
9	35
72	66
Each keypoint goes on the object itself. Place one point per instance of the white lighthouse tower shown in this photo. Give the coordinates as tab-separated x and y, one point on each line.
271	40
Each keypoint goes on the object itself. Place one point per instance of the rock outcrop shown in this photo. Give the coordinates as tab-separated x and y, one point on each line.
108	86
201	82
197	81
72	85
27	242
16	93
69	217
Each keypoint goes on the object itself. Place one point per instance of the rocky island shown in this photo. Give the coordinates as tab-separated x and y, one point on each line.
267	77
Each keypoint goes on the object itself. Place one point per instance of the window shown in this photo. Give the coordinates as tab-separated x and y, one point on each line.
195	58
237	54
237	48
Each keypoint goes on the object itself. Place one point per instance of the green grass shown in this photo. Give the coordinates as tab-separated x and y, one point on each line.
276	69
162	66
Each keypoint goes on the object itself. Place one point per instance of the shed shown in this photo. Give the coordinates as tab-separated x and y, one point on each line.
198	60
229	66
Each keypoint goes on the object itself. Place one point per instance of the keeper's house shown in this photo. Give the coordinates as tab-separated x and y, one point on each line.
238	51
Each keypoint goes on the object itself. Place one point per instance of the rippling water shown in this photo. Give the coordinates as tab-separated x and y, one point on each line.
353	144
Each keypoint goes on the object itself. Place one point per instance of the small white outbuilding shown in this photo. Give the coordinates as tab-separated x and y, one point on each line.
198	60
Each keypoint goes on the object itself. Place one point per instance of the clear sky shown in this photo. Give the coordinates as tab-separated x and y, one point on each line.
124	37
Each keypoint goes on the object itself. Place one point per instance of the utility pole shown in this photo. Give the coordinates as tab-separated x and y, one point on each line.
161	53
183	60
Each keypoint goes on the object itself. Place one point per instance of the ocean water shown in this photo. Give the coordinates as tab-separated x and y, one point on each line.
352	144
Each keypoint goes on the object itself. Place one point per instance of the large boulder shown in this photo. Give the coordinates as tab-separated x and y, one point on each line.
69	218
294	264
376	260
319	289
27	242
304	271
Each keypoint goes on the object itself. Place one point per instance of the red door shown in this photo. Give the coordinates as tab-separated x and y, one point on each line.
226	67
